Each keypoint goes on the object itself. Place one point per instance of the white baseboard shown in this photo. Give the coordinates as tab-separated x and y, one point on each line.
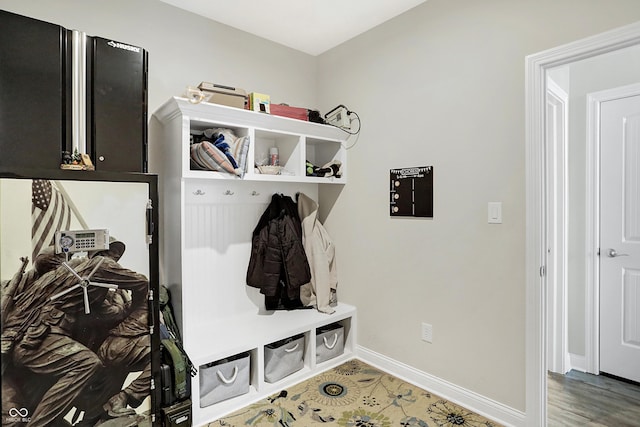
463	397
577	362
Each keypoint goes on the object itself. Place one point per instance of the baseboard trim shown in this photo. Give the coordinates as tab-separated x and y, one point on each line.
463	397
577	362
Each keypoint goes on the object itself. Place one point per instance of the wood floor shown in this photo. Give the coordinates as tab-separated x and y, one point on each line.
579	399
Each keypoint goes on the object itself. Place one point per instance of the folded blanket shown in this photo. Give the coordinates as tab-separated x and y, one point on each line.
220	150
207	156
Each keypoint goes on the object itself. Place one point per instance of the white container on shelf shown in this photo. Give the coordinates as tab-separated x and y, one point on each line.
329	342
283	358
224	379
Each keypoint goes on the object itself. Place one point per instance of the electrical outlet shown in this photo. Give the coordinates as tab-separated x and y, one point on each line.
427	332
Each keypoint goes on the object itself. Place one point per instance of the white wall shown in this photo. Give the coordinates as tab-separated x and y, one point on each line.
443	85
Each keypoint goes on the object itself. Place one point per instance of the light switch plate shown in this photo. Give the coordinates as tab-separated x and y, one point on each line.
495	212
427	332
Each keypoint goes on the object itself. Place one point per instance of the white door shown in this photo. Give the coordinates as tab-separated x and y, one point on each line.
620	238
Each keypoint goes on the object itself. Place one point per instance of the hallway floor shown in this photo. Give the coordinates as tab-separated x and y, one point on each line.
580	399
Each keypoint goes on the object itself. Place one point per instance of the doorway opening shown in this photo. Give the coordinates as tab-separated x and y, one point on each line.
537	199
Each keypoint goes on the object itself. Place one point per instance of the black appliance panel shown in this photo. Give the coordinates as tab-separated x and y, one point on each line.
117	108
35	92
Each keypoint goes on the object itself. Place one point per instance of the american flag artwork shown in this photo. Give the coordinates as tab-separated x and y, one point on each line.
50	212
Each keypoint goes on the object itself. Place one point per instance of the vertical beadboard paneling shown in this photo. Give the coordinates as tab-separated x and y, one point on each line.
218	244
219	221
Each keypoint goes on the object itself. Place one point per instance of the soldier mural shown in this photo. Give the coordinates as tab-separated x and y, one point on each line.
76	347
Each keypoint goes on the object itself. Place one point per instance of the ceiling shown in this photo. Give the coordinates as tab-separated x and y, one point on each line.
310	26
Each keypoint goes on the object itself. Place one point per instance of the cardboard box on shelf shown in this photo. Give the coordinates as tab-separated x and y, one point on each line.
224	95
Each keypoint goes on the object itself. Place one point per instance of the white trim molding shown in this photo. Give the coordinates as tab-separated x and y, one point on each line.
473	401
536	200
557	117
592	239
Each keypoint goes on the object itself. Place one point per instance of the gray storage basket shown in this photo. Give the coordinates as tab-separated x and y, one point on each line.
283	358
224	379
329	342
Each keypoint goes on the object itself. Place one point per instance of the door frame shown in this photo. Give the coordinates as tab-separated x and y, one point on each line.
594	102
557	351
536	200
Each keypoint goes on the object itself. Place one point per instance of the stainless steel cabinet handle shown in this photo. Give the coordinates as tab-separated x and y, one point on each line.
612	253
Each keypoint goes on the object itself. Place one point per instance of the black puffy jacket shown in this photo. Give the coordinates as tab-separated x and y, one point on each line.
277	253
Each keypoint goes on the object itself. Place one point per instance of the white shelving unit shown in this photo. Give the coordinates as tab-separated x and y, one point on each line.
207	221
297	140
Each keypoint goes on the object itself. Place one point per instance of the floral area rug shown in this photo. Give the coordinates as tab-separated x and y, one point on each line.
354	394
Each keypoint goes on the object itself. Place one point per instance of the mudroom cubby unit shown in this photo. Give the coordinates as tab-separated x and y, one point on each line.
207	223
297	141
